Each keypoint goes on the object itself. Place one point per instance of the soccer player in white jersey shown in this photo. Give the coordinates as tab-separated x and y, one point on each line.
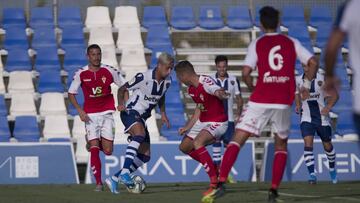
148	90
315	120
95	80
231	85
347	24
274	55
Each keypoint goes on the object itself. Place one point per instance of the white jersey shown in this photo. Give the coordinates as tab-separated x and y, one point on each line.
146	92
312	107
232	85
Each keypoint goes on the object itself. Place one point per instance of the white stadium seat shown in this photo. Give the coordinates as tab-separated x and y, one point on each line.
2	84
114	90
78	131
130	74
98	16
125	16
56	126
101	36
22	104
133	59
129	37
109	55
52	103
20	82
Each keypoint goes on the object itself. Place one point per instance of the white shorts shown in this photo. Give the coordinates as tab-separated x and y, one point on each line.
216	129
254	118
100	126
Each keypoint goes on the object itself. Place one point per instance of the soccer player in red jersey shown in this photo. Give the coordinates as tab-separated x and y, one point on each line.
274	55
95	80
209	120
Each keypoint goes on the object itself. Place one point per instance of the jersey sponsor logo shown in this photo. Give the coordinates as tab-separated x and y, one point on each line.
315	96
151	99
97	91
273	55
86	80
275	79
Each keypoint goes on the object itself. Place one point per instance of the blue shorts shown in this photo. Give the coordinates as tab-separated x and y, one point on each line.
309	129
226	137
129	118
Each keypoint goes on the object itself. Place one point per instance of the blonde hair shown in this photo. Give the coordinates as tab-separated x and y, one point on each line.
165	58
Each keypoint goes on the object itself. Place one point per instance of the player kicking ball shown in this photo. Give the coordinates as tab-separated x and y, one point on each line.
148	90
274	55
209	121
315	119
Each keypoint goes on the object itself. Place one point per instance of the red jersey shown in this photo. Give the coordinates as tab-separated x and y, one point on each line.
96	87
275	56
212	108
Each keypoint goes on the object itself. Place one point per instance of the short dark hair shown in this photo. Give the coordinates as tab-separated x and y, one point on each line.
269	17
92	46
220	58
184	66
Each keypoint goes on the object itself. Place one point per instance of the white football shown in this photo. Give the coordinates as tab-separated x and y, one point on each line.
140	185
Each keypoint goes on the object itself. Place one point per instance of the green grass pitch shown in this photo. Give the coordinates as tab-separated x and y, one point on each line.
181	193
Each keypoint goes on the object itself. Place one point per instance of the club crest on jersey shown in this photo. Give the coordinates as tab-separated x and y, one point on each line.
320	83
201	97
103	79
232	82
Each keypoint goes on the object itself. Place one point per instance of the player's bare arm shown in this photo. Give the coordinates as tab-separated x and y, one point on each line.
83	116
246	71
331	100
312	68
191	121
239	104
297	103
122	96
164	118
334	43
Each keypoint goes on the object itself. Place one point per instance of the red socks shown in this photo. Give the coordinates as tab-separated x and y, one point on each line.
228	161
95	164
278	169
205	159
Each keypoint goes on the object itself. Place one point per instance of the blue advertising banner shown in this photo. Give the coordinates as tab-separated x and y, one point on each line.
37	163
169	164
347	161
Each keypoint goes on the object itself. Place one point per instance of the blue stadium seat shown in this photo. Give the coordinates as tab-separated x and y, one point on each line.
345	123
158	36
69	16
344	103
80	100
3	108
13	17
50	81
300	32
154	15
47	59
322	34
44	36
320	15
18	59
16	38
182	18
210	18
41	16
341	73
158	50
292	14
74	58
239	17
72	35
4	129
26	129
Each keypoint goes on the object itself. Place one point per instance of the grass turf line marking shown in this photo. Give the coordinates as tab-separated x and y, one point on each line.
293	195
347	198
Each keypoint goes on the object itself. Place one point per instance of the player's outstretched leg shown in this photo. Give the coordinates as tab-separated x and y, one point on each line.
310	164
278	169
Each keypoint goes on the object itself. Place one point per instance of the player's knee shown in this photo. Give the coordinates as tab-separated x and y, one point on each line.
108	151
184	148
